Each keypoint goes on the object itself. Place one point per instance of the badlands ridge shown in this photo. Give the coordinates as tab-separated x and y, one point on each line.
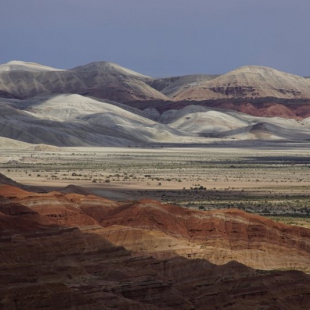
64	250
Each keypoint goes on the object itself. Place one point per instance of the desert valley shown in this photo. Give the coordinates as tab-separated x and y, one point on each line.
125	191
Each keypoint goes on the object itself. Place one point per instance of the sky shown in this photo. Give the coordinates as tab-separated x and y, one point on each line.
159	37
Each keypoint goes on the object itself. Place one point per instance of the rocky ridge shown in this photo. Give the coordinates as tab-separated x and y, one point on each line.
71	250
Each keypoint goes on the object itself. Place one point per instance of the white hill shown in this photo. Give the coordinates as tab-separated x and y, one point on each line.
16	65
74	120
66	107
222	124
6	143
250	82
100	79
105	66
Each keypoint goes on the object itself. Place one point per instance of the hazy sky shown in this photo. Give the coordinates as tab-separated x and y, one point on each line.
159	37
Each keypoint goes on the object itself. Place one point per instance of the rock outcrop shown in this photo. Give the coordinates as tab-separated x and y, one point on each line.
70	250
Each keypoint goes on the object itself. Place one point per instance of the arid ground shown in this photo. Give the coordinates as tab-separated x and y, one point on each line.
273	181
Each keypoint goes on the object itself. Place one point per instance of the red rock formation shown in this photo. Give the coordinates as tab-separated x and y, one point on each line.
4	180
74	259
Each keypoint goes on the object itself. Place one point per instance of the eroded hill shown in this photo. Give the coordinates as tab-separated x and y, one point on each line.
104	104
71	250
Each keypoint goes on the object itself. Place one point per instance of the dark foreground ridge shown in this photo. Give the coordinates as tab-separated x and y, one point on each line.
72	250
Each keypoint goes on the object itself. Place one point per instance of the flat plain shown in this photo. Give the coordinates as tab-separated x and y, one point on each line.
271	181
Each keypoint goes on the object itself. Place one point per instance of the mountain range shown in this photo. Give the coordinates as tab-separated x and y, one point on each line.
104	104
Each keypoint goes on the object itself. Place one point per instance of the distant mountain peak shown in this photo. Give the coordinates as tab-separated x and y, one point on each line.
259	70
250	82
108	67
17	65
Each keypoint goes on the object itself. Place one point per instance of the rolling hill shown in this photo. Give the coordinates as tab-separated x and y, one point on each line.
231	124
102	79
172	86
250	82
94	105
74	120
